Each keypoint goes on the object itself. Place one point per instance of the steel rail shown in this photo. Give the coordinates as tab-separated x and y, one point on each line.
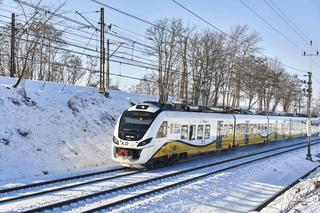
108	191
17	188
19	197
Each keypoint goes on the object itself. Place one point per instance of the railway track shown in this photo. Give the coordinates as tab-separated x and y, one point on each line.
104	199
27	186
64	184
45	187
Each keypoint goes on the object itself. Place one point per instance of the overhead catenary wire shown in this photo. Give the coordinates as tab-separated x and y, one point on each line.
81	47
302	34
124	13
81	68
285	19
145	21
226	34
116	35
71	19
276	9
155	65
271	26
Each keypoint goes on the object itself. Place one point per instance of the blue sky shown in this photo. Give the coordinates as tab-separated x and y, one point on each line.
222	13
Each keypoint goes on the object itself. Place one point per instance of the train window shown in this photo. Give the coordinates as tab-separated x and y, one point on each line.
176	129
162	132
135	121
184	132
226	129
231	129
171	129
200	132
251	128
238	129
243	128
192	132
207	132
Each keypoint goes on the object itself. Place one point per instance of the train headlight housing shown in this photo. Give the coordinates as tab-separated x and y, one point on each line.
115	140
145	142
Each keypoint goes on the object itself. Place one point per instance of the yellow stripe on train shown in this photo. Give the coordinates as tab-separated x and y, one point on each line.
179	147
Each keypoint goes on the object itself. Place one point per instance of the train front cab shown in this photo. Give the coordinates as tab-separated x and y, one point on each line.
134	135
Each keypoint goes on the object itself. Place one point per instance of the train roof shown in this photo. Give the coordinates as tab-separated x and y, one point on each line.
153	106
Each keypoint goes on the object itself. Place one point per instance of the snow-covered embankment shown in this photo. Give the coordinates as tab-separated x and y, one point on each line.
57	128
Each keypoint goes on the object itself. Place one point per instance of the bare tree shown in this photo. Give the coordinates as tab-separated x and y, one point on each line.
73	72
92	66
148	85
290	91
166	36
32	43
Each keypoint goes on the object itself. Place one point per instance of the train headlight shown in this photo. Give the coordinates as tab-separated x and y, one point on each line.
145	142
115	140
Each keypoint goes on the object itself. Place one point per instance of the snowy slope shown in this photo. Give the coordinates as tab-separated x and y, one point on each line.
57	128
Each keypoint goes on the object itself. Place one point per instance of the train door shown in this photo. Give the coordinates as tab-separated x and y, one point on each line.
246	133
290	128
219	134
276	131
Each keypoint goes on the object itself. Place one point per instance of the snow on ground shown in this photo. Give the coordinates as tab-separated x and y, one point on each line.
237	190
57	128
302	197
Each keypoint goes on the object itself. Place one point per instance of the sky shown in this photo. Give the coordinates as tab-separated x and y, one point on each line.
222	13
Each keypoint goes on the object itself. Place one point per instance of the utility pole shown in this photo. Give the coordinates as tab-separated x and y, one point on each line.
102	88
299	105
108	65
309	90
13	48
184	75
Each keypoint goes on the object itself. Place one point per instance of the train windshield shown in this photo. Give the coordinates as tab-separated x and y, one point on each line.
136	121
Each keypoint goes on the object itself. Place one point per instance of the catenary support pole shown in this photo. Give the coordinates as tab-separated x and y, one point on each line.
13	48
102	53
309	90
108	65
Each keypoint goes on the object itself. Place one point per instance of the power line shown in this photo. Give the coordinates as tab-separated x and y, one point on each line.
81	24
81	68
114	34
291	22
124	13
286	21
86	46
117	26
53	13
218	29
127	61
270	25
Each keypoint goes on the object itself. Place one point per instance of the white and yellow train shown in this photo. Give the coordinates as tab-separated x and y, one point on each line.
151	133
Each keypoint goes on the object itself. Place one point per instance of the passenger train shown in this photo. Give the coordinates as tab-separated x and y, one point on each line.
150	133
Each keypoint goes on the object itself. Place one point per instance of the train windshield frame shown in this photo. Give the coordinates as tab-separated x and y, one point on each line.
136	121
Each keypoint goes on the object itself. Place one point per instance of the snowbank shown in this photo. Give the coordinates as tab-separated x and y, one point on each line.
302	197
51	127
